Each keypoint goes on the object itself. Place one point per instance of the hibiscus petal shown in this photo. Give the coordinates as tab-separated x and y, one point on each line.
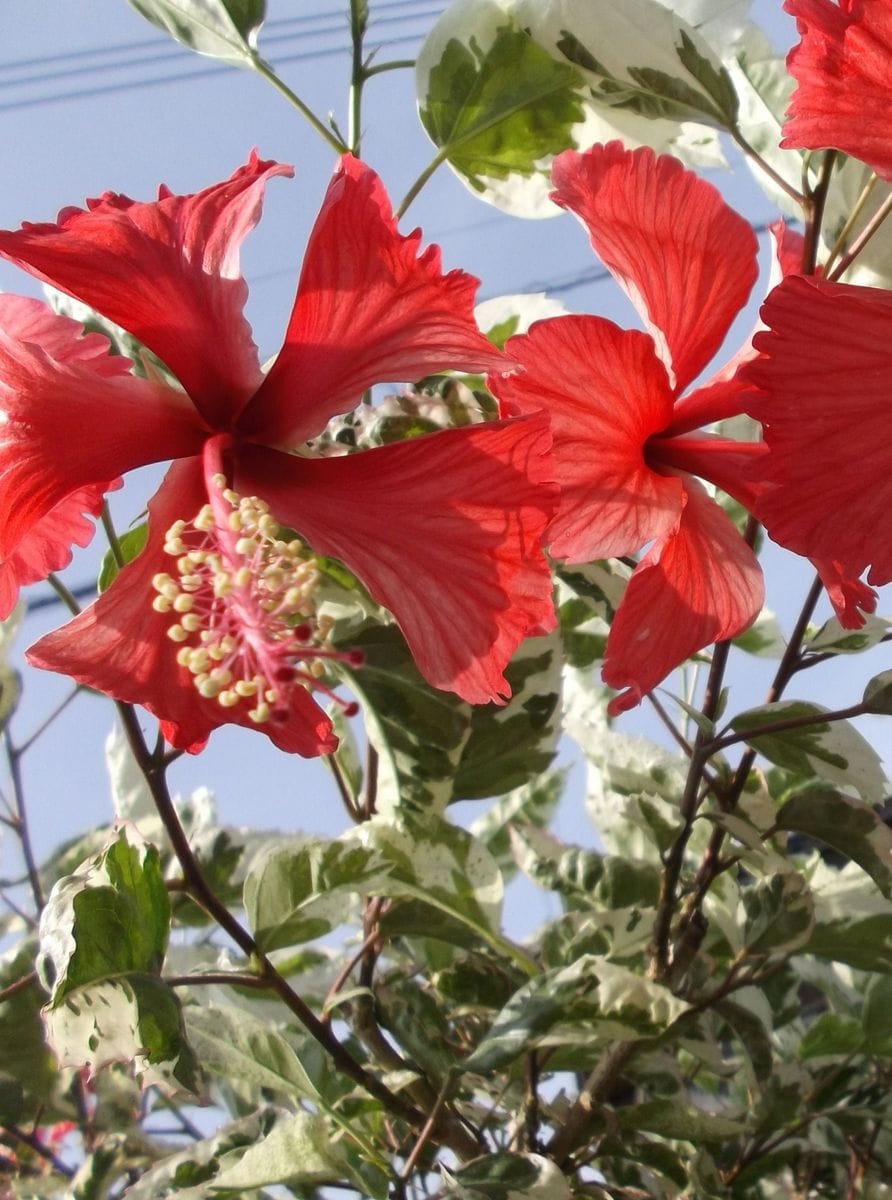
119	645
369	309
842	68
605	393
686	260
444	530
28	320
47	547
72	420
725	393
850	598
824	369
699	585
166	271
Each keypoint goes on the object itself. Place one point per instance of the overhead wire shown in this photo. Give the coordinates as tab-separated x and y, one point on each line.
392	14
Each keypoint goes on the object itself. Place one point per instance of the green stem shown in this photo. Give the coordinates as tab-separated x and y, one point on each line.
358	21
63	593
419	183
398	64
114	543
295	101
862	239
767	169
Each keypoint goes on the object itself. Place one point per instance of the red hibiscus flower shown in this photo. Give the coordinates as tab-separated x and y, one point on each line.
627	437
213	621
823	369
46	547
842	67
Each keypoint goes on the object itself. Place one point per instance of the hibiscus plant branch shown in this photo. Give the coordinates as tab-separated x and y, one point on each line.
114	543
359	15
814	214
850	223
766	168
711	863
19	820
436	162
153	769
757	731
661	964
266	72
63	593
862	239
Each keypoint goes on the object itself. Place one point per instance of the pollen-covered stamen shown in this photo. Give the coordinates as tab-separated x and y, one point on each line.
241	599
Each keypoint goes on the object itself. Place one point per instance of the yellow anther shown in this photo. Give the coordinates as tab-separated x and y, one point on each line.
191	622
235	522
209	688
246	687
229	698
271	695
243	577
177	633
259	714
174	546
161	604
247	546
316	669
182	604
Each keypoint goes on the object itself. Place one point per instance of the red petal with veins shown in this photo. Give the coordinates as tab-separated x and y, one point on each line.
48	546
69	425
824	370
686	260
841	66
369	309
444	530
27	320
605	393
850	598
168	272
119	645
699	585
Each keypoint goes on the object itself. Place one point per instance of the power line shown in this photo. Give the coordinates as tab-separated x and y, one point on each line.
152	43
201	72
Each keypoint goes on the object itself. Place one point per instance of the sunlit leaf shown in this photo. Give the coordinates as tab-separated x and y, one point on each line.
223	29
847	825
831	750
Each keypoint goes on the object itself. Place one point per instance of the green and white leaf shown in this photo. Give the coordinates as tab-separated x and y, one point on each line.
641	55
295	893
853	922
504	1176
233	1044
418	731
103	936
534	805
590	1002
763	87
512	744
834	751
223	29
586	71
846	824
831	638
501	317
497	105
442	865
777	913
764	638
291	1141
131	1018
